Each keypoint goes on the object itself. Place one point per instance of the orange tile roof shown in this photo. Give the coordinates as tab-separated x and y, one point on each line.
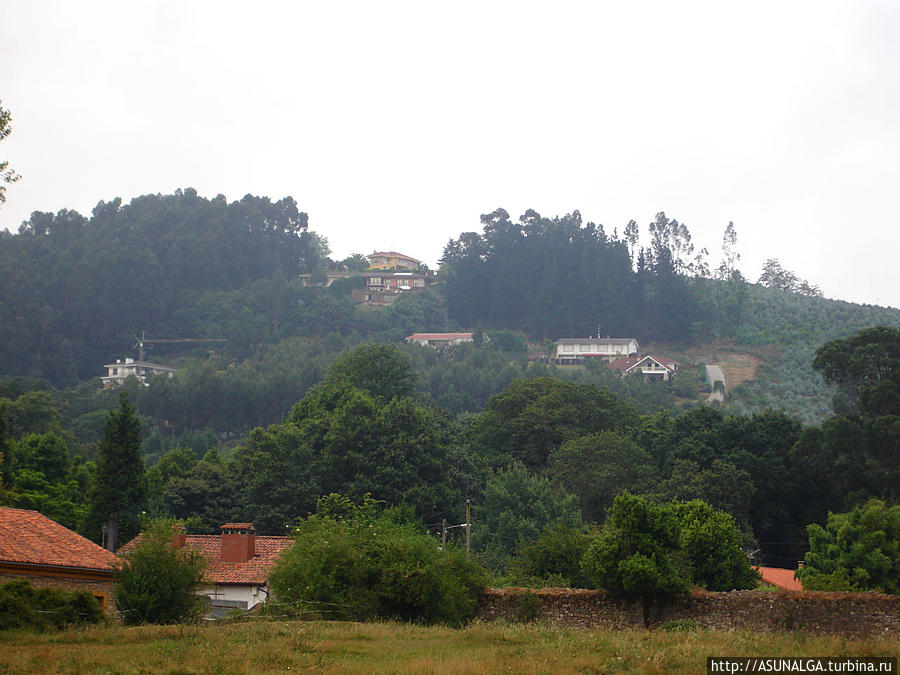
252	572
31	538
780	578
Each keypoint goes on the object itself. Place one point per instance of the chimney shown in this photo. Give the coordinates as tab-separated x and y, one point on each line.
238	542
179	538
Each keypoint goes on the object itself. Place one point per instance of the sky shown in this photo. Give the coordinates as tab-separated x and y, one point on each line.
395	125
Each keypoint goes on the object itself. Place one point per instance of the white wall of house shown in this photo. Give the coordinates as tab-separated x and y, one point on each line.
252	595
594	347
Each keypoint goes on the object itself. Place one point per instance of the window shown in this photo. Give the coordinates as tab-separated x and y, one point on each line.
568	348
584	348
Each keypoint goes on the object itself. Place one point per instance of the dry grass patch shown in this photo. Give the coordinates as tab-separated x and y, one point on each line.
334	647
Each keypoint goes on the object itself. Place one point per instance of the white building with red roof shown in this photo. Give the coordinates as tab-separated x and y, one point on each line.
36	549
238	562
651	367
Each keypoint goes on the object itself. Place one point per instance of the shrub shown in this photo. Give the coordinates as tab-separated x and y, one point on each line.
358	564
158	582
23	606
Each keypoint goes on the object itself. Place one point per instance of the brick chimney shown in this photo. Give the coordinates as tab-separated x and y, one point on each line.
179	538
238	542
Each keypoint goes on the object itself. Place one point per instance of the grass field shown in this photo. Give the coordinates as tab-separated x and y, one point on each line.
334	647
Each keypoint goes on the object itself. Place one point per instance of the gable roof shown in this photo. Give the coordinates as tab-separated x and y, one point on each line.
624	363
780	578
666	363
254	572
31	538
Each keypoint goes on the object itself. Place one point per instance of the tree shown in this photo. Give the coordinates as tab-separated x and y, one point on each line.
866	368
855	551
775	276
349	561
517	505
159	581
711	541
553	559
637	554
381	370
7	175
599	466
120	489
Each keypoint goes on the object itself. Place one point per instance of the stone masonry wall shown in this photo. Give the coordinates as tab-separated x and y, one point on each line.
857	614
97	588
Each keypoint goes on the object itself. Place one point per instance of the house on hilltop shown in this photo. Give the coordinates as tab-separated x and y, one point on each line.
576	350
439	339
122	369
391	260
651	367
238	563
36	549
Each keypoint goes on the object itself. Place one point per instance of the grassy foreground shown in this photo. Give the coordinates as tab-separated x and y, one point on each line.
334	647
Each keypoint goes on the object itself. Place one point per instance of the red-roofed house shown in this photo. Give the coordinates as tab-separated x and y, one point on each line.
780	578
439	339
237	564
36	549
649	366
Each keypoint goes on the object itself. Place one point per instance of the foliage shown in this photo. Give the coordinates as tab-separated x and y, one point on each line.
359	565
711	541
515	507
597	467
44	609
866	368
7	175
637	553
553	559
858	551
775	276
531	418
382	371
554	277
158	582
120	487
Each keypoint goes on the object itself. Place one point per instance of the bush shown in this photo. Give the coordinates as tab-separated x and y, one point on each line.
359	564
43	609
856	551
158	582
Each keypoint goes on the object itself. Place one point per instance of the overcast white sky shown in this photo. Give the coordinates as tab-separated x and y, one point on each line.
396	124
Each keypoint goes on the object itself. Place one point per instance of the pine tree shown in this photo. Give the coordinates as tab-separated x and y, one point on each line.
120	489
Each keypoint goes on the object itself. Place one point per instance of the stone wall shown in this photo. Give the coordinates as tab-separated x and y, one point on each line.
857	614
103	590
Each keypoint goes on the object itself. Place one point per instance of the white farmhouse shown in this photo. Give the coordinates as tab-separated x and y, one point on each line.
118	372
576	350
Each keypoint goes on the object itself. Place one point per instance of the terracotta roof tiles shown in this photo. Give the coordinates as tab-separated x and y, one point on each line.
253	572
31	538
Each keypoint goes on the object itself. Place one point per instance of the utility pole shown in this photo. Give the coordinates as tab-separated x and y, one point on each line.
443	533
468	529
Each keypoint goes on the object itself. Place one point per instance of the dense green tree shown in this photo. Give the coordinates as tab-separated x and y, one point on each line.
120	489
515	507
553	559
531	418
159	582
638	554
856	551
381	370
351	563
866	368
711	541
597	467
